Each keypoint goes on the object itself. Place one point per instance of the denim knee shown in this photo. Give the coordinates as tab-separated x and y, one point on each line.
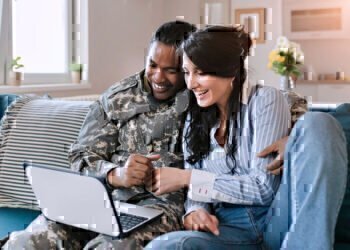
319	124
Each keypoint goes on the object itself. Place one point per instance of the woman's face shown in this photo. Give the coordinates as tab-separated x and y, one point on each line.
208	89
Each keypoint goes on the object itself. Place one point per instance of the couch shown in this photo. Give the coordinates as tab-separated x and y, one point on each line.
18	210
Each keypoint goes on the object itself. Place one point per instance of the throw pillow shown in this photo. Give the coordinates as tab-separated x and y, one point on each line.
38	130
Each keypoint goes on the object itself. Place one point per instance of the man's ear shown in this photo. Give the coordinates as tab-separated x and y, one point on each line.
145	57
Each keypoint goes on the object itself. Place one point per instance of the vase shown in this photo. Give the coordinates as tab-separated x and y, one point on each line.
286	83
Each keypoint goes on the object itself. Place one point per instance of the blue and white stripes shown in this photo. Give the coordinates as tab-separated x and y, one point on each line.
265	119
37	130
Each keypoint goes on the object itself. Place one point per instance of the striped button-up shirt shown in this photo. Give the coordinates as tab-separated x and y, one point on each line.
263	119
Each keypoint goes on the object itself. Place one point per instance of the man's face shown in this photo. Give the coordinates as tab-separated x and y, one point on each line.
163	71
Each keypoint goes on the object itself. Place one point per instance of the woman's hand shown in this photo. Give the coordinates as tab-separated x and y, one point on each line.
166	180
276	166
201	220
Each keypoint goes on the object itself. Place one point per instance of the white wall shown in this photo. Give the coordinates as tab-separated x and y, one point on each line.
189	9
326	56
119	34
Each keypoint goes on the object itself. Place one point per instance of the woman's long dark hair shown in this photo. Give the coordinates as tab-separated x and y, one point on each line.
219	51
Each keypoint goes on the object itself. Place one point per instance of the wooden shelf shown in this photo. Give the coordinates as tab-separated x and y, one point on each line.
323	82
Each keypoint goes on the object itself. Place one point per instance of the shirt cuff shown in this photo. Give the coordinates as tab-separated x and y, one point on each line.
194	208
201	185
119	171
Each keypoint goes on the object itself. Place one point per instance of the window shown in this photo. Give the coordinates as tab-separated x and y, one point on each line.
44	34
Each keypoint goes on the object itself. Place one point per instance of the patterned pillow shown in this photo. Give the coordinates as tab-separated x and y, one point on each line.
38	130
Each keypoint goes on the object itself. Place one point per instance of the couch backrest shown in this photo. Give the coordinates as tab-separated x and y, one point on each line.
38	130
5	101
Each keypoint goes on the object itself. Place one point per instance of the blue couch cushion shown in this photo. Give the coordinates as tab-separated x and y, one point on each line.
14	219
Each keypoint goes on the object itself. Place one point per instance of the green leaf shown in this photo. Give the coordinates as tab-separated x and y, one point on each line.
15	63
76	67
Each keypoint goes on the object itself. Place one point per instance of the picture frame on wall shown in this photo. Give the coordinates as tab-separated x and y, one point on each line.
253	21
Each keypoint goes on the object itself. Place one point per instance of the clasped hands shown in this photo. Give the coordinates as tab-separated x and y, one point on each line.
139	171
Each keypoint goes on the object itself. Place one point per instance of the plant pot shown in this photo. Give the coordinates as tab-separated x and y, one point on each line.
15	78
75	76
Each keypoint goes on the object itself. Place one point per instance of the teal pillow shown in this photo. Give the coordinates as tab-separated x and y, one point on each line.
342	231
15	219
5	100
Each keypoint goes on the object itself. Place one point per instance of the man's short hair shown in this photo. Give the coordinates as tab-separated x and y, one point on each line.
173	33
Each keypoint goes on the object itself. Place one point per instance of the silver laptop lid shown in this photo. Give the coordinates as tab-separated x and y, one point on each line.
73	199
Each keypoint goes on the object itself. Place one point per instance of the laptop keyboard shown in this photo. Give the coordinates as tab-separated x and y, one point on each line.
128	221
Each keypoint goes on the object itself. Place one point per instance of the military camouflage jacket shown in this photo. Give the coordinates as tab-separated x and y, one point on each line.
125	120
297	104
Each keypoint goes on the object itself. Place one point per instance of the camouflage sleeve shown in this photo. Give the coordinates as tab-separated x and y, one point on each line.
96	143
297	104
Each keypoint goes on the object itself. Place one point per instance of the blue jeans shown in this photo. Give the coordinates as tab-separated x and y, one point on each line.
240	226
304	212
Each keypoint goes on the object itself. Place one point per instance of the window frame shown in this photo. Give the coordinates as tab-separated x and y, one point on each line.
36	78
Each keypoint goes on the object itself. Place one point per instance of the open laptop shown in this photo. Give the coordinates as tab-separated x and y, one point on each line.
83	201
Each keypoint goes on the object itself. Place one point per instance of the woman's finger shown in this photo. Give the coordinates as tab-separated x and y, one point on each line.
277	171
266	151
275	164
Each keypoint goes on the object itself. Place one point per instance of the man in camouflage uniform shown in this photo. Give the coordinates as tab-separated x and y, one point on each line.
134	127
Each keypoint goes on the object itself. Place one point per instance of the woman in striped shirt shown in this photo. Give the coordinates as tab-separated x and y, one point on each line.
230	189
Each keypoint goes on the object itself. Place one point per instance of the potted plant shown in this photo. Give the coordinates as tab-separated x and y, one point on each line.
286	60
15	76
76	69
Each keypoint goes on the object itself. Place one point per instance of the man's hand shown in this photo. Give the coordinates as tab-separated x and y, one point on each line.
166	180
276	166
136	172
201	220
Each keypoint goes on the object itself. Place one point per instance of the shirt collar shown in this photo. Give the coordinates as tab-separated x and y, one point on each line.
146	84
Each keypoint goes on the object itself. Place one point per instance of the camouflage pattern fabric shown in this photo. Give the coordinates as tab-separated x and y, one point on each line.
296	103
125	120
48	235
45	234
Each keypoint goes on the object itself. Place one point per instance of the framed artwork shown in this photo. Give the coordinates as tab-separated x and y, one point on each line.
253	21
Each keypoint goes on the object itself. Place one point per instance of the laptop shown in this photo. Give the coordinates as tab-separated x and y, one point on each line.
82	201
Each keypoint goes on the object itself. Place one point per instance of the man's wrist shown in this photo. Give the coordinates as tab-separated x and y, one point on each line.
187	178
114	180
